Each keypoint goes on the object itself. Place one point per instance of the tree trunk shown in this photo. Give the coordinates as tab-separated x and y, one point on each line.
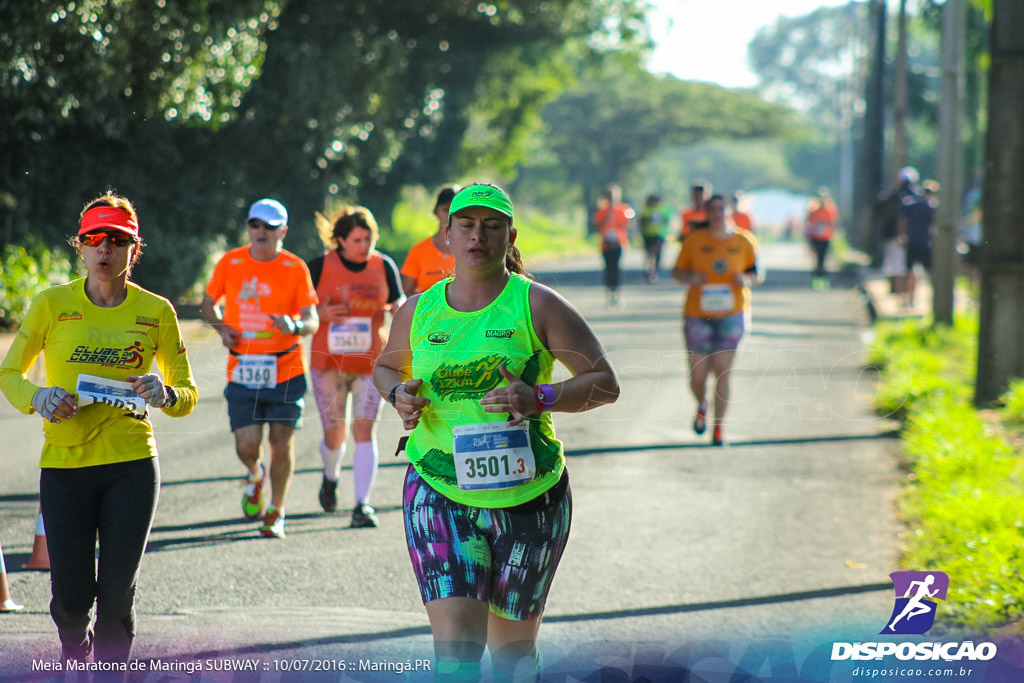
949	162
1000	351
865	236
899	97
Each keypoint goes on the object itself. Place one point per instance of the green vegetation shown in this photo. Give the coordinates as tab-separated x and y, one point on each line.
26	271
195	109
964	497
921	363
1013	411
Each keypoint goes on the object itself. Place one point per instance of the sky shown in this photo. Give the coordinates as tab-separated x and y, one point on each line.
707	40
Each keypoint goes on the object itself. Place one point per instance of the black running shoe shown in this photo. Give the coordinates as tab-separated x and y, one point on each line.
363	517
700	421
329	495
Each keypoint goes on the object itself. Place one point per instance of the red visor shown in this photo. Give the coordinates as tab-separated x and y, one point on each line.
109	217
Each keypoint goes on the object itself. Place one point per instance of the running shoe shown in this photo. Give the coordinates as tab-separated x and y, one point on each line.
9	605
700	421
363	517
329	494
273	523
717	438
252	497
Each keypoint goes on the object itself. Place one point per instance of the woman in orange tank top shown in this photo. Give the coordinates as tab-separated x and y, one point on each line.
357	287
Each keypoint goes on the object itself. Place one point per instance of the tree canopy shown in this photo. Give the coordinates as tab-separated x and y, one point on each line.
598	131
195	108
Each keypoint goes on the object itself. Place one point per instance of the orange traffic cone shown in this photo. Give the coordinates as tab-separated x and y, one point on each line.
6	603
40	558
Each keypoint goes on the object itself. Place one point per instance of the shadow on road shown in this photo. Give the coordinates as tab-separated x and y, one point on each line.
236	530
20	498
724	604
816	594
639	448
237	478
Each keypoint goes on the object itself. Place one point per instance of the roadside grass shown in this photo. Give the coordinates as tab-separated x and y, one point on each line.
963	502
1013	409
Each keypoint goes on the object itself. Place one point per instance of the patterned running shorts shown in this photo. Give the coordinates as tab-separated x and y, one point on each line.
708	335
503	556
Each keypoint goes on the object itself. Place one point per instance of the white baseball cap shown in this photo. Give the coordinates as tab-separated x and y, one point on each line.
270	211
908	174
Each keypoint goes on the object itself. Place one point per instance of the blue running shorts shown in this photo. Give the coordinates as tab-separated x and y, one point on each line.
282	404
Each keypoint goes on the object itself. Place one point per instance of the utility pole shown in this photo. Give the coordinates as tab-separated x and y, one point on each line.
899	97
948	162
1000	351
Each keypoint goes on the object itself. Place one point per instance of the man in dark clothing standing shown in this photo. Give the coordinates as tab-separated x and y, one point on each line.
916	233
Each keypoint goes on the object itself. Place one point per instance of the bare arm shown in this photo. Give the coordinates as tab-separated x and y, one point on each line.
214	317
393	370
568	337
684	276
409	285
308	322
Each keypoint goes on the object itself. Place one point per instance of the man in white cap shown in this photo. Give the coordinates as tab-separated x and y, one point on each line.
894	253
269	305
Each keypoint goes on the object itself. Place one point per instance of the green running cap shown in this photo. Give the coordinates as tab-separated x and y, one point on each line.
481	194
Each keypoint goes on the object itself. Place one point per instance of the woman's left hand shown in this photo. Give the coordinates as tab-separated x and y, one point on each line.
149	387
517	399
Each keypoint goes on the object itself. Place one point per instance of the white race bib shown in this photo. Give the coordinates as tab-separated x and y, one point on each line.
493	456
351	335
255	372
111	392
717	298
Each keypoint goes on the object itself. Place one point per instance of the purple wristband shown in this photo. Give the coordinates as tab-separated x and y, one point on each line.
545	395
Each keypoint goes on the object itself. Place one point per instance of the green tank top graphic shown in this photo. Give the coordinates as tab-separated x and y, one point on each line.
457	354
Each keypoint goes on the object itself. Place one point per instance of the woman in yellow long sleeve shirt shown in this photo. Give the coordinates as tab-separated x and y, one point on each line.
99	471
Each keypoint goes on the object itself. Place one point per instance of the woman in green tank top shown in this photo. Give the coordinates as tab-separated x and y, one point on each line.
487	502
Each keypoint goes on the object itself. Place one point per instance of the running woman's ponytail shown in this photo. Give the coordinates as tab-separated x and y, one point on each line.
514	260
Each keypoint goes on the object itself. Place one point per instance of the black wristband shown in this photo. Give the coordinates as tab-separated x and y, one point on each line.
391	394
170	397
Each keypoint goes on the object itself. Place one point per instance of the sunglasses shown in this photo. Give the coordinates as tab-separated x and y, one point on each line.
253	225
95	239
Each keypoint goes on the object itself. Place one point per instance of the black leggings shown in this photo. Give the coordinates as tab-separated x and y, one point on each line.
119	501
611	267
820	248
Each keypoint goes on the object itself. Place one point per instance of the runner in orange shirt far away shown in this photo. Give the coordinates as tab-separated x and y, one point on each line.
613	220
694	215
741	217
430	260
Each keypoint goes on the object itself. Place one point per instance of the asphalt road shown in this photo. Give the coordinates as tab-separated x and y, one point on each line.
679	551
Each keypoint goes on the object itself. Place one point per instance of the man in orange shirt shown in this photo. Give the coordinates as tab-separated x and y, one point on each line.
613	220
740	217
430	259
695	216
270	304
822	218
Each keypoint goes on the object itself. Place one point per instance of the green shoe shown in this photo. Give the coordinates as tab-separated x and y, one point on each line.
252	497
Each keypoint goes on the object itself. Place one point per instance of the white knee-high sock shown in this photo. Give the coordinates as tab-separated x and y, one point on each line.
364	469
332	460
